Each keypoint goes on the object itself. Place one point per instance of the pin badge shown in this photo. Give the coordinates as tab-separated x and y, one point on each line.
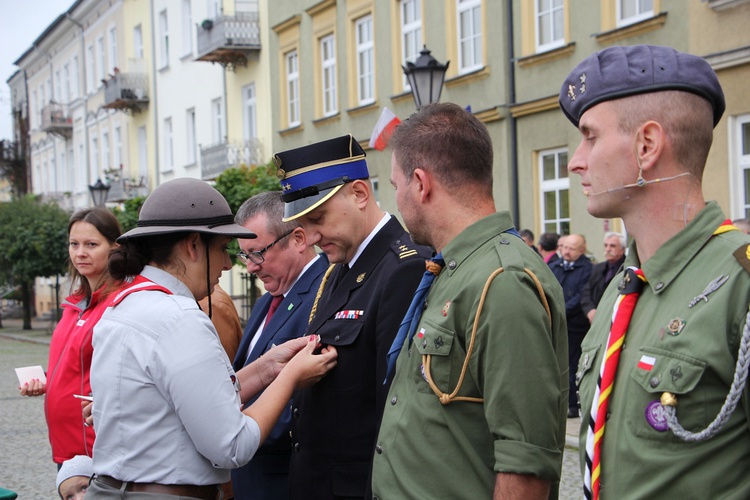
675	326
361	278
446	307
710	288
656	416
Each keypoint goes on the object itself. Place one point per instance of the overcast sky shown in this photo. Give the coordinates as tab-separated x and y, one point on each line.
21	23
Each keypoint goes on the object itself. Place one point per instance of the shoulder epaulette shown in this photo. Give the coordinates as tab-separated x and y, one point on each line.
404	249
742	254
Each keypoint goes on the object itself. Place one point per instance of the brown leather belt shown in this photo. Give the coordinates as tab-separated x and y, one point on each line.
209	492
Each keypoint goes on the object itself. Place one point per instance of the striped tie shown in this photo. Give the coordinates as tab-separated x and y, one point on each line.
634	281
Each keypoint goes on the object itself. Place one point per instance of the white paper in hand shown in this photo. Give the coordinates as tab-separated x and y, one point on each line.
29	373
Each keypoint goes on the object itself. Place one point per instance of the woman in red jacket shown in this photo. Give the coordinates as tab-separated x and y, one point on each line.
91	234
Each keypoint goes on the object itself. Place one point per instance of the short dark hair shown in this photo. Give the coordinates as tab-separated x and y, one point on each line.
548	241
450	142
270	204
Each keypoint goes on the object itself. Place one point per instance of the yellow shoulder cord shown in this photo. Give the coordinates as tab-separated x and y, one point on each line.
449	398
320	292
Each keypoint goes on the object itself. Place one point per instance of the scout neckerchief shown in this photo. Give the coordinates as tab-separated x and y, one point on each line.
414	313
634	281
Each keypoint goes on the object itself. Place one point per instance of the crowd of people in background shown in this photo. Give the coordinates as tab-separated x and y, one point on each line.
452	344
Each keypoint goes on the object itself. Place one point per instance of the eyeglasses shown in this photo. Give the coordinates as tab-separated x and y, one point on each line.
257	257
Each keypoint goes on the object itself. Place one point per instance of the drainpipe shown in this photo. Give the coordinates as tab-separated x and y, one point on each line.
514	199
83	82
152	99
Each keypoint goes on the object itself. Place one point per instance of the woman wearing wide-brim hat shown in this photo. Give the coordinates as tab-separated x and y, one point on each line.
166	399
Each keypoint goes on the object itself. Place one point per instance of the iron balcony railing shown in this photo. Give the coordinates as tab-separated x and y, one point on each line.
225	37
217	158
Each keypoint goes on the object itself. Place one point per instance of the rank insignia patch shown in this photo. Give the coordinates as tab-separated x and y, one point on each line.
742	254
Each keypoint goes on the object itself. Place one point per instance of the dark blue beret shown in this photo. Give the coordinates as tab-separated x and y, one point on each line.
619	71
310	175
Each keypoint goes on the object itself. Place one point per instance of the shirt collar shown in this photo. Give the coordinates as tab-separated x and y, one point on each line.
363	245
474	236
167	280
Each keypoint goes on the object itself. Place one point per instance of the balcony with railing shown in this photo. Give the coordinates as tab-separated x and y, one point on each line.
126	91
56	120
217	158
123	188
229	39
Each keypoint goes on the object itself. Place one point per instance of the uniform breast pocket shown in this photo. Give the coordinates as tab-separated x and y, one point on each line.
434	344
658	371
345	335
585	363
340	332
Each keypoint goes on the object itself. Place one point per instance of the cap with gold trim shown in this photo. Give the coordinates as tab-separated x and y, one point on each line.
312	174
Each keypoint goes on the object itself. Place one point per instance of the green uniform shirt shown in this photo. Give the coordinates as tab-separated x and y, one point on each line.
689	351
519	366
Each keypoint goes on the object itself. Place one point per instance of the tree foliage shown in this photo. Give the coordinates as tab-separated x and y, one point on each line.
240	183
128	214
33	243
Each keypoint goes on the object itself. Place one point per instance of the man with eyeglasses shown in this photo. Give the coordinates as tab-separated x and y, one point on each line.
290	270
363	299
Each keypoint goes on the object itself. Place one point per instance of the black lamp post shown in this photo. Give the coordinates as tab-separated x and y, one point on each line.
426	77
99	193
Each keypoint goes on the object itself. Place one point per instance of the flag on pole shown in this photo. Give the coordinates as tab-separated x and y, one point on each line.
383	130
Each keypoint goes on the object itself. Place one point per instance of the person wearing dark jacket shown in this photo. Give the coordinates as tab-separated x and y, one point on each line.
573	272
603	272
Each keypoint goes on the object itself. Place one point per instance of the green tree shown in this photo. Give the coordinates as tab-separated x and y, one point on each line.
128	214
33	242
237	184
240	183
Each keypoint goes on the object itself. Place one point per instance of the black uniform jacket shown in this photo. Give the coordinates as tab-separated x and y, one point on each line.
335	422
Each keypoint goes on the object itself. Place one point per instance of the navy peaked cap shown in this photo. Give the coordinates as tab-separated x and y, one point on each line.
619	71
312	174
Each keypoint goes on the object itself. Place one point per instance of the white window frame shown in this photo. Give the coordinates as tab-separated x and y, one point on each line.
66	83
113	48
328	74
75	84
58	87
106	156
552	14
365	46
292	85
411	34
163	40
217	116
249	112
192	156
740	161
142	152
471	39
90	69
138	42
101	62
641	13
95	157
556	185
168	145
118	147
187	29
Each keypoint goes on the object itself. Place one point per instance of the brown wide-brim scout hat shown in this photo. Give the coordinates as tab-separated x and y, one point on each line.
186	205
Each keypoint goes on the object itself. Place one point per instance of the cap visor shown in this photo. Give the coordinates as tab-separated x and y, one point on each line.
298	208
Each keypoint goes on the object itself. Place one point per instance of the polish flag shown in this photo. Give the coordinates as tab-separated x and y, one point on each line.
646	363
383	130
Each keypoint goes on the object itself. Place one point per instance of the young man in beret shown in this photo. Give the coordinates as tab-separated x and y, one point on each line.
360	304
477	408
659	375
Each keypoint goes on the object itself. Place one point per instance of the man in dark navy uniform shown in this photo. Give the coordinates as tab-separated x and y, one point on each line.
362	300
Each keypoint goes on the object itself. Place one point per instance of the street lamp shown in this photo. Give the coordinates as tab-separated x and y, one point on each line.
99	193
426	77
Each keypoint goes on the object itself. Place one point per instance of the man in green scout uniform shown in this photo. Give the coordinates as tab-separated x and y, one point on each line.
358	307
495	308
646	116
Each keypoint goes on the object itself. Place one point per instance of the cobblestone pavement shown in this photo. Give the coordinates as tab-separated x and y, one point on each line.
26	465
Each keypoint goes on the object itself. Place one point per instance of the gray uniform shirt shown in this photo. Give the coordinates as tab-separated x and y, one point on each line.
166	406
